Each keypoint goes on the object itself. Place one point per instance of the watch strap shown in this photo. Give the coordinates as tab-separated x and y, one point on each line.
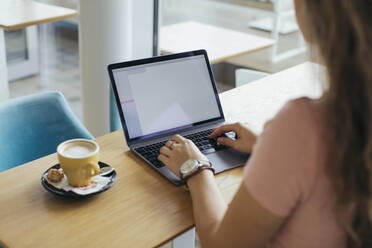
202	166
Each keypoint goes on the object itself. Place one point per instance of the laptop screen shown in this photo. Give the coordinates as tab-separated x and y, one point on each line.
164	96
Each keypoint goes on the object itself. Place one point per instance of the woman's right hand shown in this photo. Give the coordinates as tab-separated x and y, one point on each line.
245	138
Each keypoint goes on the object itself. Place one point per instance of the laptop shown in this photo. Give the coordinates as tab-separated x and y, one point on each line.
162	96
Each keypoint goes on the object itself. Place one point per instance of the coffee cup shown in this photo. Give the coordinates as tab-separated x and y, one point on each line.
79	160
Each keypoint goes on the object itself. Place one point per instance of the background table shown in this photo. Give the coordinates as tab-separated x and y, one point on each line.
142	209
16	14
220	43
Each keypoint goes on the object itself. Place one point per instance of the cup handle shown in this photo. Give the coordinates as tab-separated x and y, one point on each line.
93	168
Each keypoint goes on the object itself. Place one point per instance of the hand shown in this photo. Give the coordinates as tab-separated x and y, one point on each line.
245	138
177	151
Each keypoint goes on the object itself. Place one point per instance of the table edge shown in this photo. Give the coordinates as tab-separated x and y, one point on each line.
222	59
37	22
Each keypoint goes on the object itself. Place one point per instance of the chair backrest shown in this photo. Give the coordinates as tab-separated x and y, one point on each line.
32	127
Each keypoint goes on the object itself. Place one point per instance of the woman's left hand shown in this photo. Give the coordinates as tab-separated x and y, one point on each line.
177	151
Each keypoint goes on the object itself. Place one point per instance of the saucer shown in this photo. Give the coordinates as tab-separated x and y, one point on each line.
49	187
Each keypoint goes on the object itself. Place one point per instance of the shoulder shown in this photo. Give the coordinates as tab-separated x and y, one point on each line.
298	122
296	113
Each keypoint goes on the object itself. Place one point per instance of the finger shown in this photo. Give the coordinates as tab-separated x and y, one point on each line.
169	144
165	151
175	146
164	159
227	142
178	138
224	129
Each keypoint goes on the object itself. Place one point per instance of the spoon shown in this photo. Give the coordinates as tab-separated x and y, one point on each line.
106	170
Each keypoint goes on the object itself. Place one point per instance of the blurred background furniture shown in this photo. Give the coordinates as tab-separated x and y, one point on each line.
19	14
70	4
220	43
22	53
280	20
33	126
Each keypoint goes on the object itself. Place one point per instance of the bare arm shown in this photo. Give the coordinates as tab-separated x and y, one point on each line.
242	223
208	204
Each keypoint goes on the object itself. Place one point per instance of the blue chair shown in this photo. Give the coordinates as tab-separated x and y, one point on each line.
32	127
115	123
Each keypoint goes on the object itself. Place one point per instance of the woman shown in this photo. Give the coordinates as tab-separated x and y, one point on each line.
308	182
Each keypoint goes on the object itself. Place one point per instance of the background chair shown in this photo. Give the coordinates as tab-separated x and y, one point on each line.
115	123
244	76
32	127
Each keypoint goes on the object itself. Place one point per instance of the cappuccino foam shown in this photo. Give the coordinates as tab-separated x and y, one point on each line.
77	149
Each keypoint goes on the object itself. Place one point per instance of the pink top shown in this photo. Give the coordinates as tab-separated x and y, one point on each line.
286	175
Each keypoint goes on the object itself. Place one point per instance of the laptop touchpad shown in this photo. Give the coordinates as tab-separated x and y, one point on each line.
227	159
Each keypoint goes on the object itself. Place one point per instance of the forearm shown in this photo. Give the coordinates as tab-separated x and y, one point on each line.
208	205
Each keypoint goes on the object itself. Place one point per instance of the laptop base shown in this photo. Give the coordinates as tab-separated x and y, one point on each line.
222	160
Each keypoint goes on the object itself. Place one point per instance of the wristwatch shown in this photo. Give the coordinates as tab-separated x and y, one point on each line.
192	167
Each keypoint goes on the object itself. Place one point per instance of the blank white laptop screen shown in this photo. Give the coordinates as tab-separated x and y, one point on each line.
165	95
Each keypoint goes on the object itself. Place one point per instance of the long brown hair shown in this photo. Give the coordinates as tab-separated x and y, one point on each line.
342	32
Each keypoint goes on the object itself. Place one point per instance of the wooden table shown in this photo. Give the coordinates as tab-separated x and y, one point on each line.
16	14
142	209
220	43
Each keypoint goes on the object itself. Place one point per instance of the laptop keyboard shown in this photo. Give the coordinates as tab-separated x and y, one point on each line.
151	153
201	140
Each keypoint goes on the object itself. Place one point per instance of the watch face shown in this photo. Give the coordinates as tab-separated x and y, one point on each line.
189	166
